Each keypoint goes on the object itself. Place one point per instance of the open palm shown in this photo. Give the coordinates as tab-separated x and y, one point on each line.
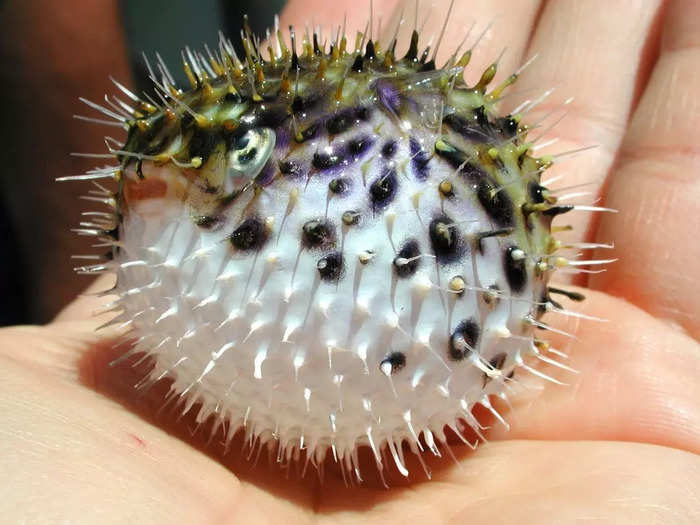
618	443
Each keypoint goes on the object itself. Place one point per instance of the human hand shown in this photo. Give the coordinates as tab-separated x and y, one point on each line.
618	444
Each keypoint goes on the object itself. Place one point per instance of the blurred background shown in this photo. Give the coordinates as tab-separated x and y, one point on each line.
52	52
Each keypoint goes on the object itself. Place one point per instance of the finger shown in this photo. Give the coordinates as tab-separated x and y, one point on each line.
504	27
509	25
51	61
53	429
594	52
332	15
636	381
61	346
89	303
549	482
656	186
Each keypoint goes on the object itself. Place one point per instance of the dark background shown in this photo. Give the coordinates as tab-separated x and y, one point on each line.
200	21
165	26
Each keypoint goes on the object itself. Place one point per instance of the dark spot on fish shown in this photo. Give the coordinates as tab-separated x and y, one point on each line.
389	149
318	233
515	270
497	204
290	168
467	129
202	143
359	145
407	261
445	239
251	234
419	159
206	222
383	190
325	161
339	122
331	267
508	126
463	340
339	185
536	192
363	113
392	363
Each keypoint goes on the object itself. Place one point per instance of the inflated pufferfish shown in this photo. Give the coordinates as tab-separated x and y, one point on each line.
330	249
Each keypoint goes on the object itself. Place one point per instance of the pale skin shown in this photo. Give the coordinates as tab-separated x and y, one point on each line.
618	444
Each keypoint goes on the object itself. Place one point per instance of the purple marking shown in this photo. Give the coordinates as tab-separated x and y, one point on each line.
419	160
388	95
283	137
358	146
266	174
389	149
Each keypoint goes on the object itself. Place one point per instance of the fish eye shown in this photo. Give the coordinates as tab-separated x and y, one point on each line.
250	153
242	141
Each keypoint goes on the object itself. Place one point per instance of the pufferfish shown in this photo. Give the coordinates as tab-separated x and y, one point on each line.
329	249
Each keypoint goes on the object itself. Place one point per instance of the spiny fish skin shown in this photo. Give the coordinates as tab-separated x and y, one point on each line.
333	249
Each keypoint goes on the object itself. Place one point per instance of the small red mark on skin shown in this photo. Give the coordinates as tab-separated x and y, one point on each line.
140	442
149	188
